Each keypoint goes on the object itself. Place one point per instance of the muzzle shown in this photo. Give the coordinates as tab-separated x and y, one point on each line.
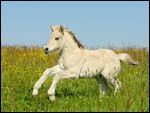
46	50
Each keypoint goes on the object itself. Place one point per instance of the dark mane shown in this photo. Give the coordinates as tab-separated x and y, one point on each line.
75	39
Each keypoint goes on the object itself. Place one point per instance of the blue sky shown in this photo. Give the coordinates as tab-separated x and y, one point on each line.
96	24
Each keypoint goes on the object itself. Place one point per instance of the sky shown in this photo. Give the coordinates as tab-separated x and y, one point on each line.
95	23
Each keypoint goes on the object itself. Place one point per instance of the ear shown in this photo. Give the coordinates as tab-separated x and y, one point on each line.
51	27
61	29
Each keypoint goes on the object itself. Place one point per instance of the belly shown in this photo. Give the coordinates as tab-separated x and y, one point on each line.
91	69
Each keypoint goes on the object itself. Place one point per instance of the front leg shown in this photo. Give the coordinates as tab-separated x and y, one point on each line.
47	72
62	75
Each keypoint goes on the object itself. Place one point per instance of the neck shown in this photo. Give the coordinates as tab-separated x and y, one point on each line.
69	45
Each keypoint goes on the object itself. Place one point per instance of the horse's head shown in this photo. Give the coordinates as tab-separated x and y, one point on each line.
55	40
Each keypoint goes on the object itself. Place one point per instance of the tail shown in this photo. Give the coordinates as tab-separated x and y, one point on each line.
127	58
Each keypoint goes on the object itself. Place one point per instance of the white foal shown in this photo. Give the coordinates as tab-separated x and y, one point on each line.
77	62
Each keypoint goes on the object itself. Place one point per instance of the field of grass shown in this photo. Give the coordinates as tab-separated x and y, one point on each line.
21	67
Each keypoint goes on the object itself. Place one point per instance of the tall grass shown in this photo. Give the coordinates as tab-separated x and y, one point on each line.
22	66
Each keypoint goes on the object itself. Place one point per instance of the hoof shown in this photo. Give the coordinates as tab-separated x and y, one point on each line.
52	98
35	92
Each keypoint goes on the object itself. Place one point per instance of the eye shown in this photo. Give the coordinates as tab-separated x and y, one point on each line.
57	38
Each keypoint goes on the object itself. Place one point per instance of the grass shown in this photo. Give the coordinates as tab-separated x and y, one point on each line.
21	67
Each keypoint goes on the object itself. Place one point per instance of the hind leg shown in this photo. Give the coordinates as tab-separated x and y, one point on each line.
116	83
103	85
112	78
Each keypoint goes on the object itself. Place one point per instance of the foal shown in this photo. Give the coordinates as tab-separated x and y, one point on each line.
77	62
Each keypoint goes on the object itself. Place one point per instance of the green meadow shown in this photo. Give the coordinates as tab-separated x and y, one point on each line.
22	66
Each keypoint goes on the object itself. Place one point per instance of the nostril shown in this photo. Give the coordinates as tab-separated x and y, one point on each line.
46	49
